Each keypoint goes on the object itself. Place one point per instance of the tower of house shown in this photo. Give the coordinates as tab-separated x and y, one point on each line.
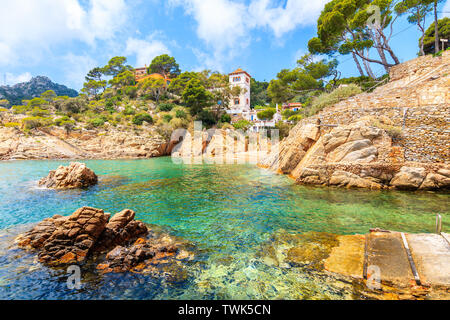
240	103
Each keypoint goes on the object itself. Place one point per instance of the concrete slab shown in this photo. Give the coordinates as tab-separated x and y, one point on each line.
431	254
386	251
348	257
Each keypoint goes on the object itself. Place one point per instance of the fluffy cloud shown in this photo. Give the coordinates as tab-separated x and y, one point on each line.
13	78
446	10
284	19
145	50
75	67
225	25
35	26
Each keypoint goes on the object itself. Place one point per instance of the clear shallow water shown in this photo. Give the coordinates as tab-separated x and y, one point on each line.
227	211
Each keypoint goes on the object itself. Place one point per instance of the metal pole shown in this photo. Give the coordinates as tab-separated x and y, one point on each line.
438	223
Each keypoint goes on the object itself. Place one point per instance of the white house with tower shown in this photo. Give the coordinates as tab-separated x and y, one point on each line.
240	105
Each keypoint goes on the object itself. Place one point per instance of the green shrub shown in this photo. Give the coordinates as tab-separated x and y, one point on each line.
296	118
242	124
37	102
129	111
181	114
12	125
20	109
167	117
97	122
131	91
177	123
225	118
35	122
207	118
64	121
141	117
266	114
329	99
289	113
38	112
166	107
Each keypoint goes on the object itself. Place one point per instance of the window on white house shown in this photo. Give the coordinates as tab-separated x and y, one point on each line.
236	101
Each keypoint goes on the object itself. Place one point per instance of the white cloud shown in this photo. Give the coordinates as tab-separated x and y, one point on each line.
12	79
145	50
221	25
284	19
225	25
446	10
75	68
33	27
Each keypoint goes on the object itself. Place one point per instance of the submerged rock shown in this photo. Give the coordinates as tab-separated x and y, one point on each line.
74	176
159	255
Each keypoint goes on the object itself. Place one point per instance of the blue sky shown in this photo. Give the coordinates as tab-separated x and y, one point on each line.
63	39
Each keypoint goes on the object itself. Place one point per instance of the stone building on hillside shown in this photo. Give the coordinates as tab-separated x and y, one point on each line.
141	74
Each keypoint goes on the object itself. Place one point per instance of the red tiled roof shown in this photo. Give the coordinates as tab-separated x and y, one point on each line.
239	71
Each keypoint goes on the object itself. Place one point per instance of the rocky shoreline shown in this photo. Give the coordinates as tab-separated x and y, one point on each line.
393	138
56	144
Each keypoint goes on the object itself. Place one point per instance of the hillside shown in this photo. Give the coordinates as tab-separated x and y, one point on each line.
32	89
395	137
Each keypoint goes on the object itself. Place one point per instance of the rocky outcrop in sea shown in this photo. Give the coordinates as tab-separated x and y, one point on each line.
74	176
117	244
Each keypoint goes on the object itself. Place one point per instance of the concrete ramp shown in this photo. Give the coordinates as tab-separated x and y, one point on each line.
431	254
387	252
404	260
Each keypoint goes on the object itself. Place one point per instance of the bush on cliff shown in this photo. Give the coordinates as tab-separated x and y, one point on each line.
64	121
329	99
242	124
35	122
20	109
97	122
12	125
141	117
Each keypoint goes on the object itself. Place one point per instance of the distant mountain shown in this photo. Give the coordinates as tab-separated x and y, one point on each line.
32	89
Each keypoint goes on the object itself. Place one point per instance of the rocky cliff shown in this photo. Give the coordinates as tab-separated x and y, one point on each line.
395	137
55	143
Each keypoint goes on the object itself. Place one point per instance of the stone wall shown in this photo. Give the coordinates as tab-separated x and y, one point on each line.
420	107
418	65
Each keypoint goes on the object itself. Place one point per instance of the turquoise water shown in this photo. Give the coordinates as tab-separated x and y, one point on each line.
227	211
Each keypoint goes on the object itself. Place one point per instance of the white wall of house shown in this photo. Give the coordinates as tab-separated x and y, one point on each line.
241	103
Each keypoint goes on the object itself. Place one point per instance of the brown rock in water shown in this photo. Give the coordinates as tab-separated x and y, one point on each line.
74	176
120	229
157	255
65	240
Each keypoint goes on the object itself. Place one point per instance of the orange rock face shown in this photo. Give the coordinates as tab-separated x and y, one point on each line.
76	175
65	240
